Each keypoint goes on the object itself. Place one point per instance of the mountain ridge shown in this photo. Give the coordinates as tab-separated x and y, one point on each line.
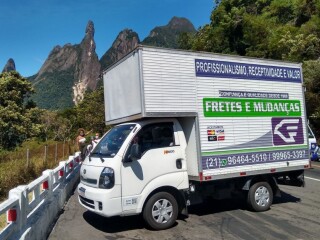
70	70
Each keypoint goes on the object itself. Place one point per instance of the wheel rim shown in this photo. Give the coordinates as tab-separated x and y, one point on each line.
262	196
162	211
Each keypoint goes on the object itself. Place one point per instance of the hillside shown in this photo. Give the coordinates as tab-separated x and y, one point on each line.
125	42
67	73
167	36
71	70
161	36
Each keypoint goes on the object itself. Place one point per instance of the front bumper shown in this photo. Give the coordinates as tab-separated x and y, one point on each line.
105	202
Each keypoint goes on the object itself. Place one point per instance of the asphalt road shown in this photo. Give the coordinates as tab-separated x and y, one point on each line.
296	215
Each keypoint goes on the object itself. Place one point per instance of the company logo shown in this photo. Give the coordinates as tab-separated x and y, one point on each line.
221	138
168	151
287	131
212	138
211	132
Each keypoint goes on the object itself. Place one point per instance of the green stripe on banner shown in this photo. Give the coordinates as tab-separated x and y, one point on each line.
243	107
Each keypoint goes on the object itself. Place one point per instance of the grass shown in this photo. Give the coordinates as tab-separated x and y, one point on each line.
18	169
23	165
3	221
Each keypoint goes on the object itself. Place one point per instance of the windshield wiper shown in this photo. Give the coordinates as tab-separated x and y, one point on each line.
96	153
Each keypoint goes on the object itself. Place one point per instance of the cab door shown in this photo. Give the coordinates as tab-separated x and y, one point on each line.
159	156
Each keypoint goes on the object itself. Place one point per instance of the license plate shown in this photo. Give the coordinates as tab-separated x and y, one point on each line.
82	191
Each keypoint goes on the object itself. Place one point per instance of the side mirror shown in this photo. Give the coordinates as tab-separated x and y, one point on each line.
135	152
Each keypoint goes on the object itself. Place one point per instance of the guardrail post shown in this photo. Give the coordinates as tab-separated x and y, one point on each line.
62	172
49	173
77	157
20	192
71	164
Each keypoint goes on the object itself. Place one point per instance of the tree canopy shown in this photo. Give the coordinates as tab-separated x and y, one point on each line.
276	29
19	118
91	111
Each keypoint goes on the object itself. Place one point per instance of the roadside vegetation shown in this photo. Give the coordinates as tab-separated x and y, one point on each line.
275	29
28	161
34	139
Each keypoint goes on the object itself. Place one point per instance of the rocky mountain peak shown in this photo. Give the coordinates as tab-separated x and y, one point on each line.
90	29
125	42
182	24
71	68
10	66
167	36
89	67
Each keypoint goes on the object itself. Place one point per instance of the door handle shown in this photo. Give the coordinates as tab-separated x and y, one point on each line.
179	163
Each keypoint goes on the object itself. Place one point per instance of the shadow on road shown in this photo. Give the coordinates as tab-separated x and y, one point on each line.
116	224
113	224
286	198
218	206
121	224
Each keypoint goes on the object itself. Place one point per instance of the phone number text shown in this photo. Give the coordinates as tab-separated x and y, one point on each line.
222	161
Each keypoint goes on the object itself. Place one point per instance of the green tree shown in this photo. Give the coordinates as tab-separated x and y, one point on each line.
276	29
185	40
311	73
91	111
299	47
18	118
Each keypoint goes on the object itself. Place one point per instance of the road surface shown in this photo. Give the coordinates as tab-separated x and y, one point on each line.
296	215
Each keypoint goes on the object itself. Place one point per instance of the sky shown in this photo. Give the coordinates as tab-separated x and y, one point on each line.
30	29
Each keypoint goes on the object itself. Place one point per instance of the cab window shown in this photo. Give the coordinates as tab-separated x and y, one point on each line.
152	136
156	135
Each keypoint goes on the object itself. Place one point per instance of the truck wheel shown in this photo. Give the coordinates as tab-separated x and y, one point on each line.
260	196
161	211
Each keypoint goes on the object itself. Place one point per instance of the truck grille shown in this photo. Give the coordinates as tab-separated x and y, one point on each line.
89	180
87	202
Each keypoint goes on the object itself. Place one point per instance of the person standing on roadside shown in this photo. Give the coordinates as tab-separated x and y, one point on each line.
81	142
96	140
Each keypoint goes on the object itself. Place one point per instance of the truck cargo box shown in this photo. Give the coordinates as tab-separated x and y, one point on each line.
244	115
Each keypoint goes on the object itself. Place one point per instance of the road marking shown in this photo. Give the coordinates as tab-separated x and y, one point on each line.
315	179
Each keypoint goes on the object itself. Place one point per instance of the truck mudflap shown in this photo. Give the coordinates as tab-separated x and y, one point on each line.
294	178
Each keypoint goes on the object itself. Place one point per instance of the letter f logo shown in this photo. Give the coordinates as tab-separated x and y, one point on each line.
287	131
291	130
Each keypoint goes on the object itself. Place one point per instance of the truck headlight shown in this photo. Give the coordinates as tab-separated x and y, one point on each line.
106	179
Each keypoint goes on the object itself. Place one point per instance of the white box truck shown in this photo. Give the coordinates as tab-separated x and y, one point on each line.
190	126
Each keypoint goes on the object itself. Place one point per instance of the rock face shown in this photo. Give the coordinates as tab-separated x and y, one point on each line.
163	36
71	70
10	66
89	67
67	73
167	36
125	42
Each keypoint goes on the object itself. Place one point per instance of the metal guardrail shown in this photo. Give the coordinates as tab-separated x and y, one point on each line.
24	200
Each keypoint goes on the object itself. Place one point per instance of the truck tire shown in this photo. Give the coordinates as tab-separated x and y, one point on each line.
260	197
161	211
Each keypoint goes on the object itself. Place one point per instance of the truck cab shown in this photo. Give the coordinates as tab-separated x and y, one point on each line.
133	163
312	144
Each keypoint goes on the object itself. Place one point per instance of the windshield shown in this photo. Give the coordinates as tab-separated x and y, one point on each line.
110	144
